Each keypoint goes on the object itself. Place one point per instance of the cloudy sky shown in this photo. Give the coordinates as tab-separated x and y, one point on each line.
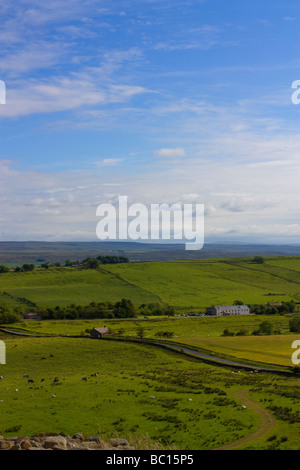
164	101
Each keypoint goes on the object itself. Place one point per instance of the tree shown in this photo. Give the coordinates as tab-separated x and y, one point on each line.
265	328
294	324
258	260
92	263
3	269
28	267
238	302
124	309
140	332
226	332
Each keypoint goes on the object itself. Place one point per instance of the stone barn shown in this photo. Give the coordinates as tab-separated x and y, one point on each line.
99	332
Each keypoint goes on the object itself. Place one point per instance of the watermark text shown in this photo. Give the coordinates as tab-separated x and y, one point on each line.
2	92
157	222
296	93
2	353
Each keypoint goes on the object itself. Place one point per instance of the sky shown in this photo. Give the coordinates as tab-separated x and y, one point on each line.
164	101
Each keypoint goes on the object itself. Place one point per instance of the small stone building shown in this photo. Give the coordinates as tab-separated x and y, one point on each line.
99	332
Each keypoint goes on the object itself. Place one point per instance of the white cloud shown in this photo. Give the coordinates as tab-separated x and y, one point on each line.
170	152
109	162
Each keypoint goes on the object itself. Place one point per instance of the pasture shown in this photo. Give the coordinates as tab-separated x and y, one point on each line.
187	285
140	390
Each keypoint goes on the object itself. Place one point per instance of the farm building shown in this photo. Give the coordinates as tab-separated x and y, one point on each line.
31	316
228	310
274	304
99	332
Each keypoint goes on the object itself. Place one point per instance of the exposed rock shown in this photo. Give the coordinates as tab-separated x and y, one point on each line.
5	445
25	444
116	442
54	441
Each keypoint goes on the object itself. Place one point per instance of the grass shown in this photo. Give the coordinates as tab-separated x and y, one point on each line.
194	405
265	349
181	327
192	285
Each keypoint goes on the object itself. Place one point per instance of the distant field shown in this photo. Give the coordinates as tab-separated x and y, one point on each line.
204	332
185	284
198	284
266	349
64	286
179	326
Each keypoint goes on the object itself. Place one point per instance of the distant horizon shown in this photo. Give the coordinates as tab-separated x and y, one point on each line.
153	242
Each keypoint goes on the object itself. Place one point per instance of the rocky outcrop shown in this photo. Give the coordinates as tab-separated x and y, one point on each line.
53	441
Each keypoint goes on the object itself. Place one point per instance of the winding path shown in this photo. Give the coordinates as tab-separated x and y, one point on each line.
266	424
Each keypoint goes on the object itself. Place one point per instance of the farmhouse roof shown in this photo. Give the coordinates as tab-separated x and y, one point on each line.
101	330
274	304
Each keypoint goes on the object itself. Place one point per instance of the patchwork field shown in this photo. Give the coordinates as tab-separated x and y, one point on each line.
185	284
272	350
195	405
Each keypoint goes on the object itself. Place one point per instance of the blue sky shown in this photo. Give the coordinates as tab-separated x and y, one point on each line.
163	101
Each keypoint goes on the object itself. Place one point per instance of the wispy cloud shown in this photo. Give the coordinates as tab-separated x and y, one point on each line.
170	152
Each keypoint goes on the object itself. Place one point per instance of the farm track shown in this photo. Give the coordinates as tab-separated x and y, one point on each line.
266	424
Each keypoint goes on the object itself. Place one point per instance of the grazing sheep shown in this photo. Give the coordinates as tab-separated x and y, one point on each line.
42	380
56	379
1	377
30	381
84	378
25	375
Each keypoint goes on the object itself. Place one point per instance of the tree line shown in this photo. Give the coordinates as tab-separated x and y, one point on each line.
89	263
123	308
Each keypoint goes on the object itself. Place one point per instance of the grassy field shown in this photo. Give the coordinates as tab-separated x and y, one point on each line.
203	283
187	285
195	404
265	349
200	332
181	327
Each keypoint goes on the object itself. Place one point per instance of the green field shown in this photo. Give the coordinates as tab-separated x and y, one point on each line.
201	332
272	350
184	284
181	327
196	405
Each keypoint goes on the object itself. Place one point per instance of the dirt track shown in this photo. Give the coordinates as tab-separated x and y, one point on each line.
267	423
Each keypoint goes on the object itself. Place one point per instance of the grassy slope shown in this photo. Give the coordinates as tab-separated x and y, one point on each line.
188	409
185	284
65	286
206	282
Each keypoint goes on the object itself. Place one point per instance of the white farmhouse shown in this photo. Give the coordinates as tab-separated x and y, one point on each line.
228	310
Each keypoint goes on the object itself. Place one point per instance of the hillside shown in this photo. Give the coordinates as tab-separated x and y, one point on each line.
184	284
